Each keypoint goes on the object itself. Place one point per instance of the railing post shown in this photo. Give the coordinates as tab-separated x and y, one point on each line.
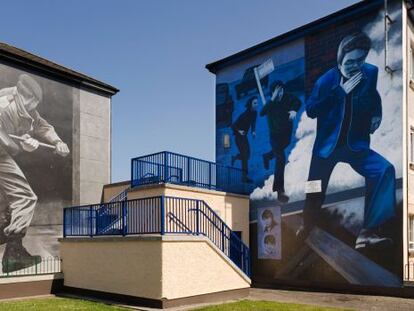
123	215
198	217
132	174
162	215
64	222
188	171
209	175
90	222
222	236
165	167
96	221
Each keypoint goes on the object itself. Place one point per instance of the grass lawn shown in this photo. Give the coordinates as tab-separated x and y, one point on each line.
68	304
57	304
247	305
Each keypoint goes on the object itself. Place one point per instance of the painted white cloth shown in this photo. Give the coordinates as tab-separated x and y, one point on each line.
20	196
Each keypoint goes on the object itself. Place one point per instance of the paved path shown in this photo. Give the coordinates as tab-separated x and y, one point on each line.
355	302
344	301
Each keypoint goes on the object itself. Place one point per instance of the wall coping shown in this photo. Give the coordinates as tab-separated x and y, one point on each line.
189	189
31	278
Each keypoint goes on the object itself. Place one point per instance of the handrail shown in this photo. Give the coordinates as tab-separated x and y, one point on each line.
122	196
170	167
232	234
149	215
178	220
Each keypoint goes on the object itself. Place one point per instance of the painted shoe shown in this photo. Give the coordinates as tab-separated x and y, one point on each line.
368	239
282	197
16	257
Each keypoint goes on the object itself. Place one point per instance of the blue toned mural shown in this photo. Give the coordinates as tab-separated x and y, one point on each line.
251	137
316	125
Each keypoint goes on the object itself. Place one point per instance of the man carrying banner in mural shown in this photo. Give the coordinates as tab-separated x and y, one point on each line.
245	122
347	106
280	111
19	118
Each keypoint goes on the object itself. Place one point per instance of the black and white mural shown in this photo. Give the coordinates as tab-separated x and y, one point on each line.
35	166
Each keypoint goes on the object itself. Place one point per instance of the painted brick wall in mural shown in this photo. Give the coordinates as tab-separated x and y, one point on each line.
35	166
317	127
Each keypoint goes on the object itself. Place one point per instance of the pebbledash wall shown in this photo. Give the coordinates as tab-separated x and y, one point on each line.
78	109
354	236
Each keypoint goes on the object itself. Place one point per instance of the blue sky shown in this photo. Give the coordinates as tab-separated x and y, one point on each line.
154	51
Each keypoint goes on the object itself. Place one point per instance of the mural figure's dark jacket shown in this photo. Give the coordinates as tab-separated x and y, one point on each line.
327	104
277	113
245	121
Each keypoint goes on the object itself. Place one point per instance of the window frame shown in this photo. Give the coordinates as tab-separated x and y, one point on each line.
411	147
411	233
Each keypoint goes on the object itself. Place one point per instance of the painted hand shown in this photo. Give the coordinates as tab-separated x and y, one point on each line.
241	132
62	149
375	123
29	144
349	85
292	115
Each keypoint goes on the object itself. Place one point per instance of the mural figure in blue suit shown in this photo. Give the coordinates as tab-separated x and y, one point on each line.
346	104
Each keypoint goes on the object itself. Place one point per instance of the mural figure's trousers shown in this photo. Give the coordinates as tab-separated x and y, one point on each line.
379	176
244	150
21	198
278	150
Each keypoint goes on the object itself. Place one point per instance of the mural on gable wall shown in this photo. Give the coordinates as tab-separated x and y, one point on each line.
35	167
316	127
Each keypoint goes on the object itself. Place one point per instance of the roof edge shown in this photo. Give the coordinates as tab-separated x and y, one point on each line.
360	8
24	58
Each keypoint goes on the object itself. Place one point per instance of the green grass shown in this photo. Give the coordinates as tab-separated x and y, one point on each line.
68	304
248	305
55	304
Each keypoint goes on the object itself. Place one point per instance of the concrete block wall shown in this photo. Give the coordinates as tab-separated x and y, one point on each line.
94	145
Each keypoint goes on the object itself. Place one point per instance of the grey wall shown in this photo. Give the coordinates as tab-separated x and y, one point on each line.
95	145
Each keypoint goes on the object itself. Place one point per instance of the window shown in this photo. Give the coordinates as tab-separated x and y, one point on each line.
226	141
411	147
411	233
411	64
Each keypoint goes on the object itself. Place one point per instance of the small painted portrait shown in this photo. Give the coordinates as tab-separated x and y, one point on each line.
268	220
270	246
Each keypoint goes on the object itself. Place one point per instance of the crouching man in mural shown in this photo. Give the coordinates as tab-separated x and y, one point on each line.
245	122
19	117
280	111
347	106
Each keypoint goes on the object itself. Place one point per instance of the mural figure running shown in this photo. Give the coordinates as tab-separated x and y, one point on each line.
347	106
241	127
281	110
20	121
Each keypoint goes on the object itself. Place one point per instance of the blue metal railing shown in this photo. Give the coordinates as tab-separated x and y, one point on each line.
169	167
162	215
122	196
